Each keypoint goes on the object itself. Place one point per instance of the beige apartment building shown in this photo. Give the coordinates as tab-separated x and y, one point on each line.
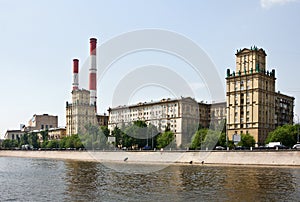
183	116
253	105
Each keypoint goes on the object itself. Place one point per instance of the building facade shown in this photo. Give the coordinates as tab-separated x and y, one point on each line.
253	105
183	116
42	122
13	134
102	119
80	113
56	133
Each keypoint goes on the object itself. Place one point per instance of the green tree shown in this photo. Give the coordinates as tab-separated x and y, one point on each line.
117	133
33	140
9	144
93	138
198	138
44	134
104	130
286	134
166	139
52	144
77	142
222	141
62	142
24	139
45	144
135	134
211	139
247	140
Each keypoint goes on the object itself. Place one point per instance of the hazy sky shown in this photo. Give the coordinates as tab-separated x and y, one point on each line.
39	39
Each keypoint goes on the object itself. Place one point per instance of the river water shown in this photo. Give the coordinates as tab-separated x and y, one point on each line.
24	179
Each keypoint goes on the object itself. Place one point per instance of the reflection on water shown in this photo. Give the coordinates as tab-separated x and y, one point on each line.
50	180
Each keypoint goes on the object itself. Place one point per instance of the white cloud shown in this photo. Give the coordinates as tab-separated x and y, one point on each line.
270	3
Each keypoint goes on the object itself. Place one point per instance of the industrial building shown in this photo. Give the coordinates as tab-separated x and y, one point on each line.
83	109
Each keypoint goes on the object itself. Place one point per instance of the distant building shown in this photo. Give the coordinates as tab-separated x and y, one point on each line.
102	119
13	134
217	115
56	133
253	105
42	122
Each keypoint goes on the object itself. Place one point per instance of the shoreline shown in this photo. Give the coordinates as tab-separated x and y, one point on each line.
242	158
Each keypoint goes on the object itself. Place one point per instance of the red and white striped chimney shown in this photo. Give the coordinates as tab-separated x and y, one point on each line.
75	74
93	72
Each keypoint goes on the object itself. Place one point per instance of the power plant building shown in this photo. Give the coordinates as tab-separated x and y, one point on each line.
83	109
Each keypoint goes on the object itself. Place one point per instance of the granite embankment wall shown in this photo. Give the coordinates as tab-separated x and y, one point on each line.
278	158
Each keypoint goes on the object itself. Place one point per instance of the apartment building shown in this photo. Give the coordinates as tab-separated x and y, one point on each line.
183	116
253	105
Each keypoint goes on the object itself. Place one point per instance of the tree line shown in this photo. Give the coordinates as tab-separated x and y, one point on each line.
139	135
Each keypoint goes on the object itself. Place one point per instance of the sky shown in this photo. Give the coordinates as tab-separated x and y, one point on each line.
39	39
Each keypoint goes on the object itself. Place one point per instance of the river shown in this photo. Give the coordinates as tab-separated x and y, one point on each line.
25	179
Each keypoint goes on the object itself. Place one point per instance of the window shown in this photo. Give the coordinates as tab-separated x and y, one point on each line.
42	126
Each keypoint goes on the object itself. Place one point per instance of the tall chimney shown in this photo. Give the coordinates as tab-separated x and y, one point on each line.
93	72
75	74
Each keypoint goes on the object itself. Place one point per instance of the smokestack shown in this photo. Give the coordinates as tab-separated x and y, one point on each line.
75	74
93	72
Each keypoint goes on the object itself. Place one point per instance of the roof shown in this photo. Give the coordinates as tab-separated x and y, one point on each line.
164	100
14	131
247	50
